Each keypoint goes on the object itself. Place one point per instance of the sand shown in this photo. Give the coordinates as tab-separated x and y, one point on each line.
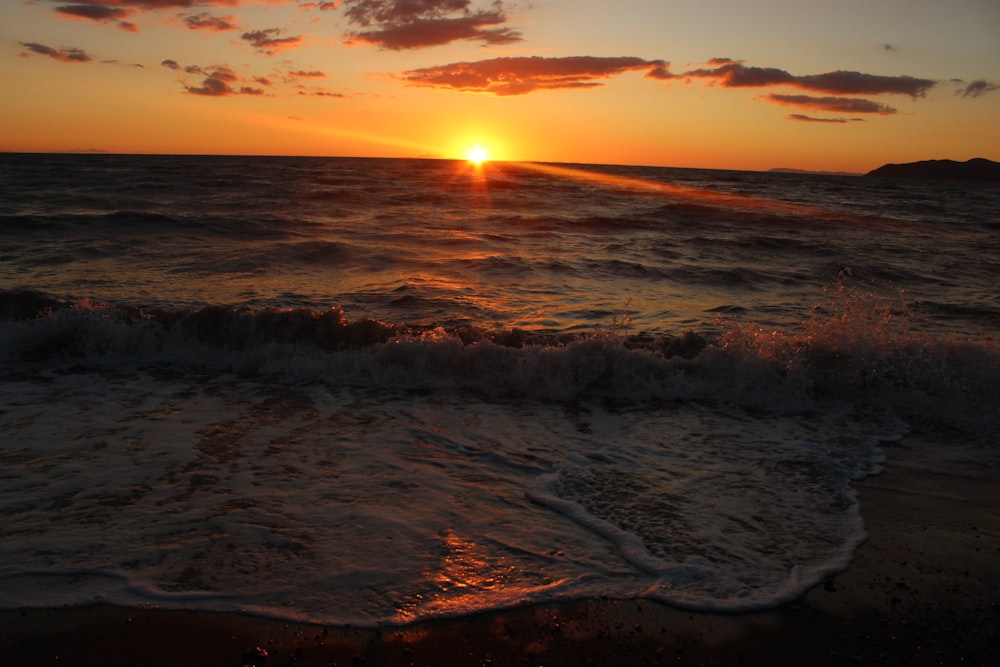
923	590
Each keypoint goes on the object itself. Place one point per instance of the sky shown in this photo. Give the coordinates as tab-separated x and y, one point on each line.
822	85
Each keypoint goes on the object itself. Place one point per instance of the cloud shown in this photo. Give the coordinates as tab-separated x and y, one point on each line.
151	5
95	12
977	88
102	12
521	75
205	21
733	74
321	6
114	11
219	82
115	61
810	119
415	24
268	42
321	93
838	104
225	81
65	55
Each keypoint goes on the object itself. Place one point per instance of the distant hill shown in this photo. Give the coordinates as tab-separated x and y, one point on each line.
976	169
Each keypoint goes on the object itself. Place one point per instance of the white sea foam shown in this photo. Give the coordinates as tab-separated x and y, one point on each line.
383	506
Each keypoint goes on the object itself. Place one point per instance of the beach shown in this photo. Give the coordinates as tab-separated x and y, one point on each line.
401	412
924	589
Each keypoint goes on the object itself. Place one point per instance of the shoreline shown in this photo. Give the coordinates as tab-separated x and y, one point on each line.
923	590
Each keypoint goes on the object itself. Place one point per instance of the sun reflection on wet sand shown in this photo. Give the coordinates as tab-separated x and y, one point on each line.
469	576
467	565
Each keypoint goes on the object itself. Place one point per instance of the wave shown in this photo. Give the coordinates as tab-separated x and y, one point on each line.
855	348
144	223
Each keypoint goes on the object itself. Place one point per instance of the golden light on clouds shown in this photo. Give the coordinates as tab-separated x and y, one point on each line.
555	83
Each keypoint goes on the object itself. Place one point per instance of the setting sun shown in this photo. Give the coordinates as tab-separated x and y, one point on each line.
477	155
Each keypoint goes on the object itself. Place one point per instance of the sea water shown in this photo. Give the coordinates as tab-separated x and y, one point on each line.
379	391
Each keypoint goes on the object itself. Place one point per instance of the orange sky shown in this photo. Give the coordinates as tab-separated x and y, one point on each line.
839	86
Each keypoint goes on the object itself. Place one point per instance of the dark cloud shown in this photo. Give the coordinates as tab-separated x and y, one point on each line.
810	119
521	75
115	61
102	12
268	42
114	11
434	32
315	74
205	21
321	6
977	88
737	75
865	84
95	12
381	12
212	87
414	24
65	55
147	5
220	81
838	104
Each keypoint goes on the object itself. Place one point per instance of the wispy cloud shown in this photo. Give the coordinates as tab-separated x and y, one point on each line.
65	55
321	6
320	92
220	81
811	119
225	81
206	21
115	11
414	24
104	12
734	74
836	104
977	88
522	75
268	41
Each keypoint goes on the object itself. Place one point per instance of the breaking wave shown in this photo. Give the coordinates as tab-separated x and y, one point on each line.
854	348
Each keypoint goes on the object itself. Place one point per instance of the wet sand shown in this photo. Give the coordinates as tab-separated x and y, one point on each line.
924	590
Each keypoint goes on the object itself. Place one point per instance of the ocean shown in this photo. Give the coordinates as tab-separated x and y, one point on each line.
379	391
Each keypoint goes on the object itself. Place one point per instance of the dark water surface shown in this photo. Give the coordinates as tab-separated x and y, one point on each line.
383	390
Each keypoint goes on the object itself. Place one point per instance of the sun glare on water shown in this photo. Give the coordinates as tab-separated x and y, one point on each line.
477	155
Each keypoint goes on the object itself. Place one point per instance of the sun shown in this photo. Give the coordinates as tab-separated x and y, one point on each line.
477	155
